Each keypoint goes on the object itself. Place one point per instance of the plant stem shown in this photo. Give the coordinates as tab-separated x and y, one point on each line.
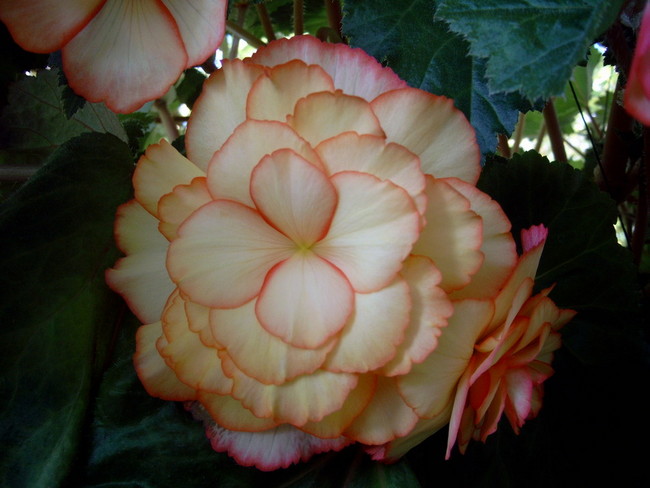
641	219
298	19
242	8
554	132
166	118
266	21
519	132
540	137
17	172
504	147
244	34
334	15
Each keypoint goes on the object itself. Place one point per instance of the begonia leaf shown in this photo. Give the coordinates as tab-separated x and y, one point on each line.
56	313
530	46
34	122
423	51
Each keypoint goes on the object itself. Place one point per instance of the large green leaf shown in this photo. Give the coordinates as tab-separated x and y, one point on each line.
428	56
56	313
530	46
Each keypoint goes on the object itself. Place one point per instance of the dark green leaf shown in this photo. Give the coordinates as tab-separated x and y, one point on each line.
189	88
423	52
530	46
56	313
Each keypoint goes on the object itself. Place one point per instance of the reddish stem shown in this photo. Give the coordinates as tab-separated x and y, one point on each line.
554	132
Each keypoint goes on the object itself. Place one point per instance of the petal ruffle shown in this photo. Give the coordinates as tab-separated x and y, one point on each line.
230	414
178	205
222	254
373	230
432	128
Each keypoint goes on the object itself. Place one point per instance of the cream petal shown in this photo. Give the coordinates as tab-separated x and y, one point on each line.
452	235
322	115
294	196
222	254
178	205
305	301
230	169
274	95
431	127
129	53
230	414
158	172
353	70
224	92
373	230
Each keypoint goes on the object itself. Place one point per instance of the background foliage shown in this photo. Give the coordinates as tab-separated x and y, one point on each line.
73	411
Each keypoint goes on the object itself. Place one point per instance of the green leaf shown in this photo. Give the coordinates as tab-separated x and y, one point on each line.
56	314
531	46
425	54
189	88
34	123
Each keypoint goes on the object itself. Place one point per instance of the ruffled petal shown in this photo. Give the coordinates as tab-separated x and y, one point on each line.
367	79
178	205
452	236
140	277
370	338
370	154
322	115
222	254
44	26
230	169
429	313
385	418
202	25
158	171
294	196
230	414
224	92
129	53
158	379
431	127
305	301
259	354
274	95
373	230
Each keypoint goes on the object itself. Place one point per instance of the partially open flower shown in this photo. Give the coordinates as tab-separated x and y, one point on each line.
303	257
122	52
637	91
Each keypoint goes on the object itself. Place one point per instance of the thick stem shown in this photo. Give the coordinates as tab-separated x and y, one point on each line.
234	29
554	132
334	15
266	21
17	172
641	219
298	17
504	147
242	8
519	132
166	118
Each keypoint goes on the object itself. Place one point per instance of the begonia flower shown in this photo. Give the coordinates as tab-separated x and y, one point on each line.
637	91
494	355
121	52
303	257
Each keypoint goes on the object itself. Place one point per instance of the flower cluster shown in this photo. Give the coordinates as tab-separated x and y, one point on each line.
161	37
321	268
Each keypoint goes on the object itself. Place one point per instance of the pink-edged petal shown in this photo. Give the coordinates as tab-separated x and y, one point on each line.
259	354
443	368
369	340
305	301
230	169
429	313
44	26
230	414
385	418
371	154
158	379
533	237
294	196
432	128
353	70
322	115
459	410
452	236
158	171
519	386
374	228
224	92
140	277
222	254
307	398
271	449
195	364
498	246
178	205
198	321
333	425
274	95
202	24
637	90
129	53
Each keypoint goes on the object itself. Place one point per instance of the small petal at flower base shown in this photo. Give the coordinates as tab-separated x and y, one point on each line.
309	254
